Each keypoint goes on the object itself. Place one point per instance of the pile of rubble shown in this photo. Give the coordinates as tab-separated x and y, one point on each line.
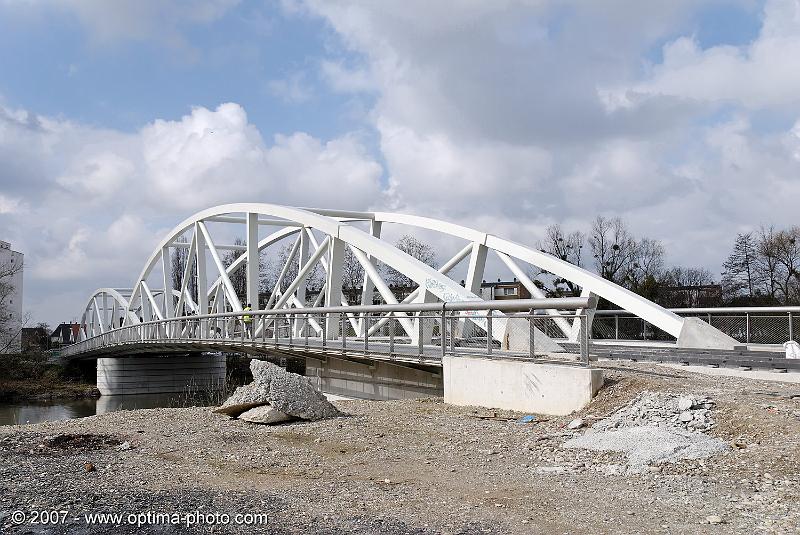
277	396
655	428
662	409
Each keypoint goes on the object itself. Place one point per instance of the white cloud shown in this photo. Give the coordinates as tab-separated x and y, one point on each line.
101	176
293	89
143	19
98	201
9	205
762	74
511	115
345	79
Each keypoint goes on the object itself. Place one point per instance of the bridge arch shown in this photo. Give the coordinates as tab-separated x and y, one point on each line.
321	237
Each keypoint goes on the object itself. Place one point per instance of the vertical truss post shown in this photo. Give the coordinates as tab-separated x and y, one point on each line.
333	296
791	328
202	284
302	258
585	339
368	287
477	266
252	260
166	268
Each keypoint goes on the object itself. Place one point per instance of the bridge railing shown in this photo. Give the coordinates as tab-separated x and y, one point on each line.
750	325
520	328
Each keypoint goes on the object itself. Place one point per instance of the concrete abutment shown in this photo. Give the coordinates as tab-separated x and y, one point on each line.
525	386
519	385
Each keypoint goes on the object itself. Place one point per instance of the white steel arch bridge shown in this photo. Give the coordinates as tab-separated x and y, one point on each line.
320	239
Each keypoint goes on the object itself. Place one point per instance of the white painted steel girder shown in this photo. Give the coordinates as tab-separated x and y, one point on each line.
340	234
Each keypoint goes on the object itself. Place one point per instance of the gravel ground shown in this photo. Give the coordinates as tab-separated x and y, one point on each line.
415	467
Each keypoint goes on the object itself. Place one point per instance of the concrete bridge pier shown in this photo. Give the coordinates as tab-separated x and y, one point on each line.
183	374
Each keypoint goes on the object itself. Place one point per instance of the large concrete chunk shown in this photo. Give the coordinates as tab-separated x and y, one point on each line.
265	414
286	392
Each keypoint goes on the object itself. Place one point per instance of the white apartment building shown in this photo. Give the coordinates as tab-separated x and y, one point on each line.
11	296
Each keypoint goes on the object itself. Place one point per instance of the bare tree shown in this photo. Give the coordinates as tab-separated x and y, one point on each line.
238	276
647	264
180	255
10	326
416	249
767	261
273	268
787	249
352	276
688	277
565	247
613	248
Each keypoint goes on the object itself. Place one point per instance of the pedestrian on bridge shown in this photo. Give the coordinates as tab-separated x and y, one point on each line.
247	320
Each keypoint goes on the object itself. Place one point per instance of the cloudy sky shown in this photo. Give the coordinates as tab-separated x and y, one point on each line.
118	119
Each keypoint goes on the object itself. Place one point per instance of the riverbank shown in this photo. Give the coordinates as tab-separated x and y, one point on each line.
39	390
418	467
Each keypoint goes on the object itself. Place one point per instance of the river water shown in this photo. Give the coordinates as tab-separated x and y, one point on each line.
31	413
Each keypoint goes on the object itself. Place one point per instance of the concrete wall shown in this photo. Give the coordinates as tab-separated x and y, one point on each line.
381	380
159	375
517	385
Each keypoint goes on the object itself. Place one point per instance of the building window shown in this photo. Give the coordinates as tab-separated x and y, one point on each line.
509	291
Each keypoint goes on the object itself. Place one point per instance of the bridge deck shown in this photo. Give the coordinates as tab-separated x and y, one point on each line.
351	348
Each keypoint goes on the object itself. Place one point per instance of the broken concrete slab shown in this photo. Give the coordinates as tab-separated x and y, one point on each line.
286	392
265	414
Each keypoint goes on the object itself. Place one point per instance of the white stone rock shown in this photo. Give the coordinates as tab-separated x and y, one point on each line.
686	417
685	403
265	414
577	423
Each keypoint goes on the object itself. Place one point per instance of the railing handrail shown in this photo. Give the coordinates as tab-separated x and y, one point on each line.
582	306
710	310
504	305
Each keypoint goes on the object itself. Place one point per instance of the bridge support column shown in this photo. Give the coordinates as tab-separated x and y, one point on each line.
517	385
160	375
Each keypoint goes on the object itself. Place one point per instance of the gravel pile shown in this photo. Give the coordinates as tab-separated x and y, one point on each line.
655	428
662	409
